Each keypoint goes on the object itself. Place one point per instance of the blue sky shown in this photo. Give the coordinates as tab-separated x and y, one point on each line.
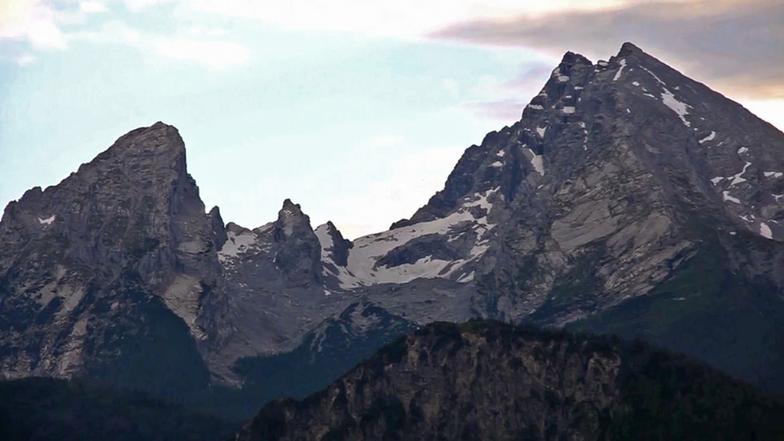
356	110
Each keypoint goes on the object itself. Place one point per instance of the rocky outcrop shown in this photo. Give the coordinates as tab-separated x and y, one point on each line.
619	180
628	199
126	236
485	380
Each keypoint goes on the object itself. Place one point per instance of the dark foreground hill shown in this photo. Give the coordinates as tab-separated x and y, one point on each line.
488	381
44	409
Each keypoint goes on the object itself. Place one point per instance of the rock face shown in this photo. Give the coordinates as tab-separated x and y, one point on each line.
326	352
628	199
485	380
110	263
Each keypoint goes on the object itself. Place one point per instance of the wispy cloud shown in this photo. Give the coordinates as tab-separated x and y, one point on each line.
92	7
501	99
733	44
44	26
505	110
33	21
139	5
401	18
25	59
194	47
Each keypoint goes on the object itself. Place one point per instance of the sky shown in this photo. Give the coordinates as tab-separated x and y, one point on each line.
356	109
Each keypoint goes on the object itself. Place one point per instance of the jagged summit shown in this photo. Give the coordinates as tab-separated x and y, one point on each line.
156	142
572	58
628	198
290	206
334	253
629	48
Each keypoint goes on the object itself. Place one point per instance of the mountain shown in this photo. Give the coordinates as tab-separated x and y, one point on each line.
628	199
486	380
102	274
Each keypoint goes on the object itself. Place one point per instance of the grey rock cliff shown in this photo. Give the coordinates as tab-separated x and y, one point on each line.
126	230
627	199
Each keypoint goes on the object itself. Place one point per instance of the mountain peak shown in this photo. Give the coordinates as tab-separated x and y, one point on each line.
571	58
144	152
289	211
292	220
291	207
159	136
629	48
334	246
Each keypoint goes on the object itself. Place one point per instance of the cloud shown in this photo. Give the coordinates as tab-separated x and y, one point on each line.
139	5
198	48
34	21
506	111
25	59
400	18
42	25
735	45
213	54
92	7
503	100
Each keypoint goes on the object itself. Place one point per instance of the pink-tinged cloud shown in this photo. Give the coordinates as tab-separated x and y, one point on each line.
504	111
734	45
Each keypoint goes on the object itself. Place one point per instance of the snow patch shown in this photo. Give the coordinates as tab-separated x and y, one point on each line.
742	150
710	137
618	74
737	179
368	250
773	174
636	84
679	107
568	109
500	153
717	179
537	162
765	231
467	277
236	244
497	164
727	197
658	80
346	280
541	131
668	98
535	107
47	221
563	78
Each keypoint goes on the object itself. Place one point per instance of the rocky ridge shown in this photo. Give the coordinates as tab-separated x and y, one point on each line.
601	209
